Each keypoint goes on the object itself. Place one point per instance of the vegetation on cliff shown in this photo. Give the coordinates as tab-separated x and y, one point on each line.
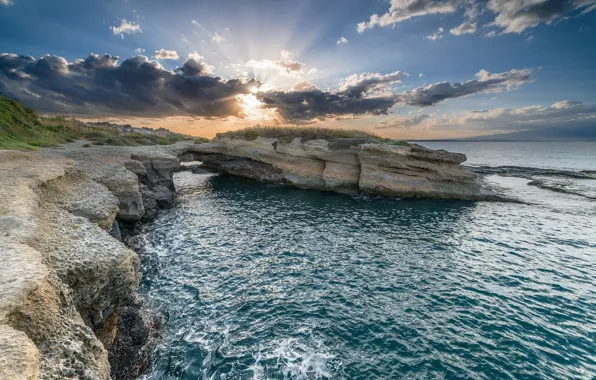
21	128
339	138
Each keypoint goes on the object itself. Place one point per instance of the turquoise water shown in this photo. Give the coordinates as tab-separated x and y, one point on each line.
268	282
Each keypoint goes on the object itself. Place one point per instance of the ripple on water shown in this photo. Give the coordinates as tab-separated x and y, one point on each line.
269	282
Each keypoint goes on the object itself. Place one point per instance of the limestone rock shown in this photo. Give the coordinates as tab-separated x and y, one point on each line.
345	165
124	184
19	358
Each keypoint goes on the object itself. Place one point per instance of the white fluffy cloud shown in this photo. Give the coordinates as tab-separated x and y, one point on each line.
510	16
166	54
342	41
435	36
286	65
370	83
8	3
464	28
126	27
139	50
401	10
515	16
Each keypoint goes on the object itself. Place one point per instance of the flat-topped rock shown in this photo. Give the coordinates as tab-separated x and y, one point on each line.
348	165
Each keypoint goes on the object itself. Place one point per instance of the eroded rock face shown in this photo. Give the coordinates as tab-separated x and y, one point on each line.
20	358
349	166
64	280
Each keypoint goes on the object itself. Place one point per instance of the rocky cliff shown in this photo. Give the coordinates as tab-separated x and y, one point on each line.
68	301
345	165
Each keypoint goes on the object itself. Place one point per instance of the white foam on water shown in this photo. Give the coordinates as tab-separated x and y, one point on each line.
257	369
298	360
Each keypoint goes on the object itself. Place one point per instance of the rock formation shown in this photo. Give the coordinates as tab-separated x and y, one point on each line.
345	165
66	284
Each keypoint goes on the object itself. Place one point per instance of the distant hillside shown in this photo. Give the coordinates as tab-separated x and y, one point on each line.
21	128
582	133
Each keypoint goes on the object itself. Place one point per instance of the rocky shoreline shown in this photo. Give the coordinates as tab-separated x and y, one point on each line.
69	306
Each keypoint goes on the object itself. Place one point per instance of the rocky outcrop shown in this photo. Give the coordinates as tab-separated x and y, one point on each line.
345	166
66	285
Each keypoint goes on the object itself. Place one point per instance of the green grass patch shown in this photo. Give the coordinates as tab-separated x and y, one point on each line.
338	138
21	128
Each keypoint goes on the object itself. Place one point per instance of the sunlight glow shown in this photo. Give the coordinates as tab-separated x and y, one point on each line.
253	110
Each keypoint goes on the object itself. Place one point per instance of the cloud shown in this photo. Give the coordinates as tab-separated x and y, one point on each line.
139	50
485	83
196	63
8	3
464	28
515	16
310	104
218	39
561	114
101	85
370	83
195	22
286	54
342	41
435	36
510	16
401	10
304	86
286	65
402	122
137	86
166	54
126	27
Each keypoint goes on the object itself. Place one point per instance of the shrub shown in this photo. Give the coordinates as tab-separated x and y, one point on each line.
201	140
338	138
114	141
95	135
86	146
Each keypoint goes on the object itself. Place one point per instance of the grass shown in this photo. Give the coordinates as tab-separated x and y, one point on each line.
338	138
21	128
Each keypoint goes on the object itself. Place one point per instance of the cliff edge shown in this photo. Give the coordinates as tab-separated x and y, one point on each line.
68	285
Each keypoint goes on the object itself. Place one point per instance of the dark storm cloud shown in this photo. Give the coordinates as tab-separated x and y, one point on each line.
353	96
104	86
318	104
98	85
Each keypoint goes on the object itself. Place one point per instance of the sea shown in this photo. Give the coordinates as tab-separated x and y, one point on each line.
257	281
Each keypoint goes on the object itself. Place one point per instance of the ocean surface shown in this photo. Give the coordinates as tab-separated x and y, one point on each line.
268	282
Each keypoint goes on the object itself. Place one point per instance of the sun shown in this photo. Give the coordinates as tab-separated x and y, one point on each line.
252	108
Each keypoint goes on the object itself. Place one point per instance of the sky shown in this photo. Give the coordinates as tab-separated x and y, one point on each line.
410	69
